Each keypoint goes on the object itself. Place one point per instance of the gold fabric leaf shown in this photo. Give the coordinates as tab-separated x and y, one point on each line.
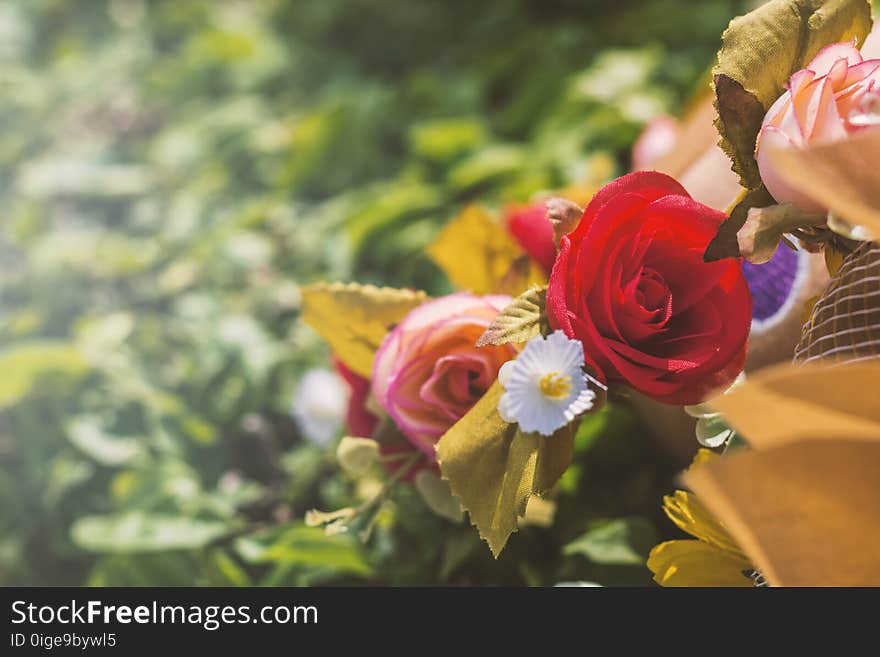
478	254
555	454
806	513
354	319
844	324
759	53
764	228
843	176
725	243
493	468
739	120
789	403
520	321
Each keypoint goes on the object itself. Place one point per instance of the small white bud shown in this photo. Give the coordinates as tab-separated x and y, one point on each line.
357	455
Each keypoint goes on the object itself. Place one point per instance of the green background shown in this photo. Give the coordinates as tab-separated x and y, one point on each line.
171	172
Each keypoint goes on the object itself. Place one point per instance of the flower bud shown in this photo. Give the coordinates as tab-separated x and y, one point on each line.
438	496
357	455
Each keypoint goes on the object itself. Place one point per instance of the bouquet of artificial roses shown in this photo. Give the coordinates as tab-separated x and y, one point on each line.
486	390
475	397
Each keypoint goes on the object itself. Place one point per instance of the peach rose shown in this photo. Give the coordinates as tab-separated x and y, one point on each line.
428	372
824	102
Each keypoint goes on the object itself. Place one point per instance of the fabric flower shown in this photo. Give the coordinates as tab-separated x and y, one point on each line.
824	102
533	232
775	286
713	559
428	371
657	140
358	419
630	283
545	387
319	405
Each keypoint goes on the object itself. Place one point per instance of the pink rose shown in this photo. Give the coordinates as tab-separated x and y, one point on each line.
657	140
822	104
428	372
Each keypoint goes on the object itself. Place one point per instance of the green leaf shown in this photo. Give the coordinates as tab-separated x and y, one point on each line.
623	541
305	547
396	202
486	165
444	140
520	321
87	435
23	364
227	569
760	51
143	532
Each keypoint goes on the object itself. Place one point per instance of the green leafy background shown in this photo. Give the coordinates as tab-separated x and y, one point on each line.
171	172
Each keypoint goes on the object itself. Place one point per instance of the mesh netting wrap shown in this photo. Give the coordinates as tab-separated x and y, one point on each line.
844	324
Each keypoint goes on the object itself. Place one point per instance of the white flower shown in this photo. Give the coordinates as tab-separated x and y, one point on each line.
545	387
319	405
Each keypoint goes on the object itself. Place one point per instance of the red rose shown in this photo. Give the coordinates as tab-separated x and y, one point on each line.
630	283
358	419
533	231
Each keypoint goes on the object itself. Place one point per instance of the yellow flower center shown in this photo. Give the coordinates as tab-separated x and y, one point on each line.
555	385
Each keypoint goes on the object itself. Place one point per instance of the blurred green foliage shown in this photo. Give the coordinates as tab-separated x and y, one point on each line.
171	171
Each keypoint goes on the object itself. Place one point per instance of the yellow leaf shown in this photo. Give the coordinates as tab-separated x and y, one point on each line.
354	319
842	176
760	51
522	274
477	253
520	321
555	454
788	403
806	513
490	467
694	563
494	468
692	516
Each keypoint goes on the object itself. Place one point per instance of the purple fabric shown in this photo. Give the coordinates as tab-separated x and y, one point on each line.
772	283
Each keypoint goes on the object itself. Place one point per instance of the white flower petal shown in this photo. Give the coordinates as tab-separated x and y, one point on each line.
524	401
505	373
504	409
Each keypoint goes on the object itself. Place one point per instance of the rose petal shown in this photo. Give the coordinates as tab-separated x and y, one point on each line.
823	62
